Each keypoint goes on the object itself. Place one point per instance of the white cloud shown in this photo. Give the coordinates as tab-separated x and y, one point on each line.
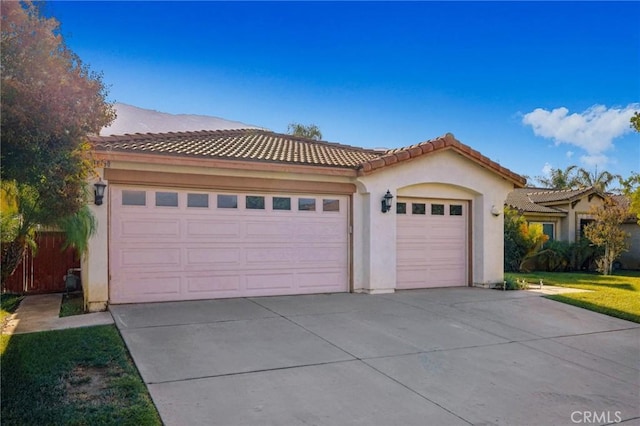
592	130
570	154
595	160
546	169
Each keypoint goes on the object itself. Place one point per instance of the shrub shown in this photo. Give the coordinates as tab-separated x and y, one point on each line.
520	239
512	283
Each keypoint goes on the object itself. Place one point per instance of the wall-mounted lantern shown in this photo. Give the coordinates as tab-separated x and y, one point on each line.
386	202
495	211
99	192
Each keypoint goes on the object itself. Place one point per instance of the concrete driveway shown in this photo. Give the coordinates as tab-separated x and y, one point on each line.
426	357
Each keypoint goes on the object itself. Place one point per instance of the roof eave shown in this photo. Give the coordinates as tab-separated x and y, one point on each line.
444	143
221	163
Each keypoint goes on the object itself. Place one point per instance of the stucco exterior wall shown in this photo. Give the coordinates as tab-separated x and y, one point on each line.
446	175
580	211
95	264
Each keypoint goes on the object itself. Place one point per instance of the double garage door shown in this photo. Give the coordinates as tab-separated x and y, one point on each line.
168	244
432	243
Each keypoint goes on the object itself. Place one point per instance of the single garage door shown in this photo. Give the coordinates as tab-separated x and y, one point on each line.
432	243
168	244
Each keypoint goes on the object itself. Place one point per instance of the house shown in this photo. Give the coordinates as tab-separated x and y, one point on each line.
234	213
564	213
631	258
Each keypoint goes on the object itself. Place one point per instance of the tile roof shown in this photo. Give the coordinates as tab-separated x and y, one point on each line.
263	145
447	141
551	195
541	200
519	199
242	144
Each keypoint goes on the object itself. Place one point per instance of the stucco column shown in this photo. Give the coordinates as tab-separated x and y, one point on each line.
380	248
488	265
95	268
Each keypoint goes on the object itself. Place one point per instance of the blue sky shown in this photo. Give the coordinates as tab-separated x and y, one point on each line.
531	85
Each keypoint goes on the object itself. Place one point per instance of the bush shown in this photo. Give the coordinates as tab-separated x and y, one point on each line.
513	284
583	255
520	239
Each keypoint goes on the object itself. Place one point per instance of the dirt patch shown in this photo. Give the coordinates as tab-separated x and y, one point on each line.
90	385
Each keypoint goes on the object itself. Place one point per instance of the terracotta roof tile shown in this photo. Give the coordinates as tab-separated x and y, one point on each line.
541	200
447	141
266	146
551	195
519	199
244	144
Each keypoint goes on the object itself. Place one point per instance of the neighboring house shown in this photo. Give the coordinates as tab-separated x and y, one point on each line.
237	213
630	259
564	213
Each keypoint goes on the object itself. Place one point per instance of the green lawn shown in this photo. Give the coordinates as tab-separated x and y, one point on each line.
8	305
616	295
72	304
80	376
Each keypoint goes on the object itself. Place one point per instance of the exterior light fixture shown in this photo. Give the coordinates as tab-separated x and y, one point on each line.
99	192
386	202
495	211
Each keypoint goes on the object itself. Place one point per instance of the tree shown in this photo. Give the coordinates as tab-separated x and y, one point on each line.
635	121
600	181
309	131
560	179
50	102
605	232
631	186
520	239
631	189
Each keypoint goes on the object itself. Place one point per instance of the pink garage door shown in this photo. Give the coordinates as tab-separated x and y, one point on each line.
168	244
432	249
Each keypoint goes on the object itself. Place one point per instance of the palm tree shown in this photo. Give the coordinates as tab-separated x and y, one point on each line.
78	228
560	179
310	131
19	224
599	181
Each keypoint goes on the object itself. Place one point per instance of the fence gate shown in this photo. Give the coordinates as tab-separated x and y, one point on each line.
44	272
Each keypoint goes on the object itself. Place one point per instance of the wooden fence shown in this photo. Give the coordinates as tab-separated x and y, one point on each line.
44	272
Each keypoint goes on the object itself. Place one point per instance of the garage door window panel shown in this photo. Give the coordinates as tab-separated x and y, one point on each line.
254	202
134	198
437	209
401	208
418	208
227	201
330	205
198	200
166	199
307	204
281	203
455	210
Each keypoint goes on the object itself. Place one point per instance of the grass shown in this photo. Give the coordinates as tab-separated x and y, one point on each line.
8	305
81	376
72	304
616	295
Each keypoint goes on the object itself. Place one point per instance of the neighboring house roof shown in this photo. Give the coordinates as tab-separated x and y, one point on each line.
265	146
544	200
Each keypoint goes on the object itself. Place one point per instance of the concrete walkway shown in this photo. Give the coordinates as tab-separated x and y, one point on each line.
40	313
